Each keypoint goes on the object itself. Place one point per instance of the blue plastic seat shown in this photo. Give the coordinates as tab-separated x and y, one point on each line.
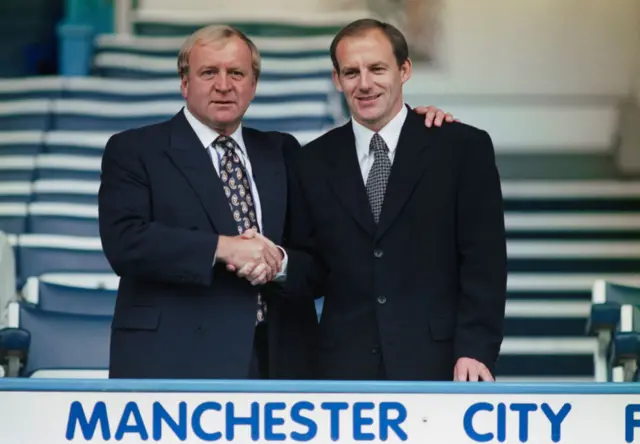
75	293
70	219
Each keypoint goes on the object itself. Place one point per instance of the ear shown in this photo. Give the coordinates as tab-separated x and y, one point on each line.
184	85
336	80
254	86
406	69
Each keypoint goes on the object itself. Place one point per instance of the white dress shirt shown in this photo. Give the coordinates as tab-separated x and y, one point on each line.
390	134
207	136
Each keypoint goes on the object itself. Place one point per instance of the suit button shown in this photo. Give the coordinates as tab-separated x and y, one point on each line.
378	253
382	299
375	350
198	329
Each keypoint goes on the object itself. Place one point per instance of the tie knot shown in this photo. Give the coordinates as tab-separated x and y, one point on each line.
377	145
225	142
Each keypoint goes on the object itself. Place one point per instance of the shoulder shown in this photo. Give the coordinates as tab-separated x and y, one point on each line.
138	140
461	137
322	146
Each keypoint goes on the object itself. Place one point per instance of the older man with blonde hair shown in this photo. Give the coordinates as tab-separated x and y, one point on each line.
180	204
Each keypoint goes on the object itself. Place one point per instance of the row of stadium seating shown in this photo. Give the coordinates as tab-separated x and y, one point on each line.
283	58
306	109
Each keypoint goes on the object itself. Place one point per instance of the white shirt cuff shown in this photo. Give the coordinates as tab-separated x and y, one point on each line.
282	274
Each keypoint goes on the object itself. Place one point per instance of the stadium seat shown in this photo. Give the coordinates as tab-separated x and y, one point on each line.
292	46
55	344
99	116
132	66
290	117
17	168
604	318
625	346
13	217
121	90
43	253
39	87
561	225
573	256
70	219
15	191
8	273
83	294
75	143
84	115
73	191
95	89
21	143
570	196
25	115
67	167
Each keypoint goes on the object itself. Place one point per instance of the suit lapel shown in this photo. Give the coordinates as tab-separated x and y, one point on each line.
408	166
190	157
346	178
269	175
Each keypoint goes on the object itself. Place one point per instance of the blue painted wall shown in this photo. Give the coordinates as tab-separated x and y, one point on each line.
27	36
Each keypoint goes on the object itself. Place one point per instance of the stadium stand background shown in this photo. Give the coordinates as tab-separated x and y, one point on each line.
551	95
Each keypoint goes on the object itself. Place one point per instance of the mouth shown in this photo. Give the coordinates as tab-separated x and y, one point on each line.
366	100
223	102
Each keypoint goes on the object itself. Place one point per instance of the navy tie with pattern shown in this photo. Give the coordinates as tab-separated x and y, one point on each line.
379	175
238	191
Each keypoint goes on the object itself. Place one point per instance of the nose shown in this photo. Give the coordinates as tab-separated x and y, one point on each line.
364	82
222	83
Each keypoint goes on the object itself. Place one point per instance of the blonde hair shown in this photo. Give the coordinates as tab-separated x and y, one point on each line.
216	33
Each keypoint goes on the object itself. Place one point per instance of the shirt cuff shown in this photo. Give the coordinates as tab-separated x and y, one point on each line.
282	274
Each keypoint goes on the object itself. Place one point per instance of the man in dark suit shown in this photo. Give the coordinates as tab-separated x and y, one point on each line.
173	200
399	227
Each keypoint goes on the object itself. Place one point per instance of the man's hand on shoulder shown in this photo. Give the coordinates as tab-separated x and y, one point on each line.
468	369
434	115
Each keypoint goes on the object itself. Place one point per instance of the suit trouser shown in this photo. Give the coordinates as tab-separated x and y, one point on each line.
259	366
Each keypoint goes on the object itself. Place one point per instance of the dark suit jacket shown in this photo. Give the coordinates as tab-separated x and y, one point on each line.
161	209
424	287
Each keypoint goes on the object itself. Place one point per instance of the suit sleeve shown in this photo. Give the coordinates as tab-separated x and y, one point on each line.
305	271
135	245
483	257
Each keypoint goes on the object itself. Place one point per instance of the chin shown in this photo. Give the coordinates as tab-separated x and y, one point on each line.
225	117
369	116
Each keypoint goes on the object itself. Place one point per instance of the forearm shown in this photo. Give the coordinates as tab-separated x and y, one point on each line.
134	243
156	252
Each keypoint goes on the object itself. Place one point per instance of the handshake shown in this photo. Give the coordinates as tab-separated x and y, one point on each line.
251	256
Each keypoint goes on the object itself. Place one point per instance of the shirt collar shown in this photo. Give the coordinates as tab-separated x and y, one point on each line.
390	133
207	135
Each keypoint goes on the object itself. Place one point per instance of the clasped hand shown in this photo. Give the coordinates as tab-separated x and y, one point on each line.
255	258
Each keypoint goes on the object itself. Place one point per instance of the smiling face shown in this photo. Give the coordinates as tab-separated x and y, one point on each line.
370	78
220	83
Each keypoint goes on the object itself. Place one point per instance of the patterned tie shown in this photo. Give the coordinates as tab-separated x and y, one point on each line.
379	174
238	191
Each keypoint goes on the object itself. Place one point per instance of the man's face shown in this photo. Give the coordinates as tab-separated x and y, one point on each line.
220	83
370	78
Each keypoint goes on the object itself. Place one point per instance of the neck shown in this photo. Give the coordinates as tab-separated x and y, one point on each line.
225	130
222	129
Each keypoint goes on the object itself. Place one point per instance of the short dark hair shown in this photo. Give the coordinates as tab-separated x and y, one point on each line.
359	27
